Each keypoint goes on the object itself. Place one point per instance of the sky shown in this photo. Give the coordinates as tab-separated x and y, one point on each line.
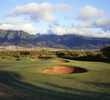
90	18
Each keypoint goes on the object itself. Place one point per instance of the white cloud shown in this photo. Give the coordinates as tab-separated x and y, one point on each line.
89	12
63	7
26	27
43	11
16	20
73	30
44	32
22	17
58	31
83	25
103	23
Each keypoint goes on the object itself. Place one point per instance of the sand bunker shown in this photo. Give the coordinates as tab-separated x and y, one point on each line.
59	70
64	70
37	59
59	61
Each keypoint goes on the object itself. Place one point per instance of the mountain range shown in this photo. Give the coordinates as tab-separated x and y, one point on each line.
23	39
76	41
70	41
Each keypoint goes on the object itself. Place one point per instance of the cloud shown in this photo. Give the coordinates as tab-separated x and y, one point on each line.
103	23
58	31
83	25
63	7
99	23
73	30
22	18
43	11
25	27
89	12
16	20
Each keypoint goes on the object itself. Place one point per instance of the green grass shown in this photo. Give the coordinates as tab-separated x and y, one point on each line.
25	80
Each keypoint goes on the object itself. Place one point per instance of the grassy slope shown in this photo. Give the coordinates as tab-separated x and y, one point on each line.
24	80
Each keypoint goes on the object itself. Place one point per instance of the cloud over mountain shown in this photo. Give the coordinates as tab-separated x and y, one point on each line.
25	27
76	30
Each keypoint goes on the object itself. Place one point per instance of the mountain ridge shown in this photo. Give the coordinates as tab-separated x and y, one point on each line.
70	41
74	41
24	39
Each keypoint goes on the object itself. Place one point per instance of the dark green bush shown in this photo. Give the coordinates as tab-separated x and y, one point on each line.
74	53
106	51
100	55
67	53
90	54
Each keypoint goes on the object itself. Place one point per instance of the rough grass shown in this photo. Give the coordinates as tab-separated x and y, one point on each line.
25	80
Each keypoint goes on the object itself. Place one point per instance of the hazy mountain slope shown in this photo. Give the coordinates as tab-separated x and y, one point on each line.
76	41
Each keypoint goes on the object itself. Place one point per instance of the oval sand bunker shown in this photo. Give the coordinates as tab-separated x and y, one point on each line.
59	70
37	59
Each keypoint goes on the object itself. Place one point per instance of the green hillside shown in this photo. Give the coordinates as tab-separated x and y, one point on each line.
24	39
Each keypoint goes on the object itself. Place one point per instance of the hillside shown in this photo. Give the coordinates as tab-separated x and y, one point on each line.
23	39
77	41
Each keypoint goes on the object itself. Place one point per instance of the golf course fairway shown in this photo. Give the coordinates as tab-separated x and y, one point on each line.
25	80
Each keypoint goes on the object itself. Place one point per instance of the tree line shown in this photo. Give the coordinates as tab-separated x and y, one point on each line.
102	55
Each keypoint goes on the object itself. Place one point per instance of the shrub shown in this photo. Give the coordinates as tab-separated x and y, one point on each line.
45	52
15	54
106	51
7	57
34	53
74	53
100	55
62	53
90	54
66	53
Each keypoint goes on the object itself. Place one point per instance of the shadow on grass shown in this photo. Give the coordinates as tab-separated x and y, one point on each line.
86	95
12	88
86	58
79	70
103	85
41	57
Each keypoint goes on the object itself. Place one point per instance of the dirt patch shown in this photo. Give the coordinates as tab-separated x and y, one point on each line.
37	59
59	61
10	60
59	70
5	94
2	94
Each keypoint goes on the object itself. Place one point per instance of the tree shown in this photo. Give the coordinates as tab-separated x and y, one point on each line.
106	51
67	53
